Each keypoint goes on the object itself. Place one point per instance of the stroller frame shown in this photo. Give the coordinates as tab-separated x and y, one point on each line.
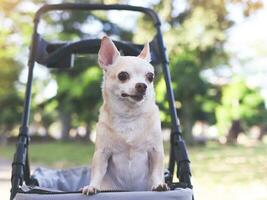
49	54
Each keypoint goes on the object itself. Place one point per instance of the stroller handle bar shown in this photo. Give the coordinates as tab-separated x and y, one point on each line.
84	6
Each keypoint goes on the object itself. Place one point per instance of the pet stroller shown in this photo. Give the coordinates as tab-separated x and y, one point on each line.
53	184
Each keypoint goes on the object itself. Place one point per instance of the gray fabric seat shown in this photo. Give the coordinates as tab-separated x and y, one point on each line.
59	185
62	179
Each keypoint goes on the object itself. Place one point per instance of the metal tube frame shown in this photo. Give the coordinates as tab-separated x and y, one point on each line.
178	153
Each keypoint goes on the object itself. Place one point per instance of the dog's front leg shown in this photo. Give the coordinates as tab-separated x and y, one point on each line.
98	170
156	157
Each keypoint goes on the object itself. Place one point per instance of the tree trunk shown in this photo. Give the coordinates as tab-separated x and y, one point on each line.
88	132
233	132
65	119
187	123
262	132
46	127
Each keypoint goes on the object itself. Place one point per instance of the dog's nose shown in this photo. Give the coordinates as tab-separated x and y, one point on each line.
140	87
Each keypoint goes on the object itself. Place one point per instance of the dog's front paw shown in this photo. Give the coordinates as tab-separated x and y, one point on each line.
161	187
89	190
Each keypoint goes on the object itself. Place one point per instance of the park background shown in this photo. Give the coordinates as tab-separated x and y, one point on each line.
218	59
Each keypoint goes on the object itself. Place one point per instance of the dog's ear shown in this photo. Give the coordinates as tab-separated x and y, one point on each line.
108	53
145	53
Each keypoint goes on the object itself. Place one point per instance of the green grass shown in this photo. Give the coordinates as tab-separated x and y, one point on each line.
226	164
55	154
229	172
229	164
212	163
219	171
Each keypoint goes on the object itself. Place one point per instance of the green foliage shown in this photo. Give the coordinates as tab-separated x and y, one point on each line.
11	110
10	101
240	102
195	38
10	68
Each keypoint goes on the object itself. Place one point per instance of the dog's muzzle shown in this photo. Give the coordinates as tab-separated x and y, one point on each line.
140	91
136	97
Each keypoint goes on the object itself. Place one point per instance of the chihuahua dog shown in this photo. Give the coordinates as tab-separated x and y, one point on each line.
129	143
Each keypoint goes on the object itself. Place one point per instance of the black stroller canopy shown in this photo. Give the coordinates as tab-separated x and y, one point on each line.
60	55
55	54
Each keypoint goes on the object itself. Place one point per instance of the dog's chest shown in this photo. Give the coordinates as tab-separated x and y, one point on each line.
130	128
129	167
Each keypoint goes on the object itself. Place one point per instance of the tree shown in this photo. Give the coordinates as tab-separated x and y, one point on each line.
10	98
241	106
195	38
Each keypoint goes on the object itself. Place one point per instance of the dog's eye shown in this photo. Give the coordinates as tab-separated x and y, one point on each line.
123	76
150	76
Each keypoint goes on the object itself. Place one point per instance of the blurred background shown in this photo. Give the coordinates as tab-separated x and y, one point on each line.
218	59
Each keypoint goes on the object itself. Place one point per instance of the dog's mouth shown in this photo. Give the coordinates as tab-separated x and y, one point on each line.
136	97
